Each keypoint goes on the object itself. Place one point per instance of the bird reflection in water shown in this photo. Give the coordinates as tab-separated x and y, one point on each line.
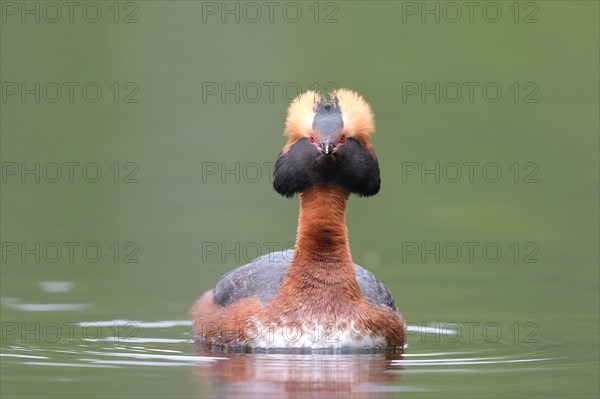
300	374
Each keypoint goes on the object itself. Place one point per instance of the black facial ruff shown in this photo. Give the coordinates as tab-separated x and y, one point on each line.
352	168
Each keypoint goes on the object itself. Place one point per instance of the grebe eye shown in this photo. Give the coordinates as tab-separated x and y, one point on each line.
312	139
343	139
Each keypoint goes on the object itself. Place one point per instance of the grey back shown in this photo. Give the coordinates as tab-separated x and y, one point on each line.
263	276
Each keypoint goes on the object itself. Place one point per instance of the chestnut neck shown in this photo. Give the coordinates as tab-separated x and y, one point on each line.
322	236
322	259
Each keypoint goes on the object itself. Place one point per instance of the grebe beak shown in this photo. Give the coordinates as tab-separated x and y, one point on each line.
326	147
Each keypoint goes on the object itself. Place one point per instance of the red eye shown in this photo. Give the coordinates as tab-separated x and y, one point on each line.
312	139
343	139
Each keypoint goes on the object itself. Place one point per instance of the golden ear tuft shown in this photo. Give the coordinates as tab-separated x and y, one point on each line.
300	117
358	118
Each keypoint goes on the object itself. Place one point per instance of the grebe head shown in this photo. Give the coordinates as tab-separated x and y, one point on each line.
329	143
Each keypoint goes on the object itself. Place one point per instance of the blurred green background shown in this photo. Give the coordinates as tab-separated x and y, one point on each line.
160	119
